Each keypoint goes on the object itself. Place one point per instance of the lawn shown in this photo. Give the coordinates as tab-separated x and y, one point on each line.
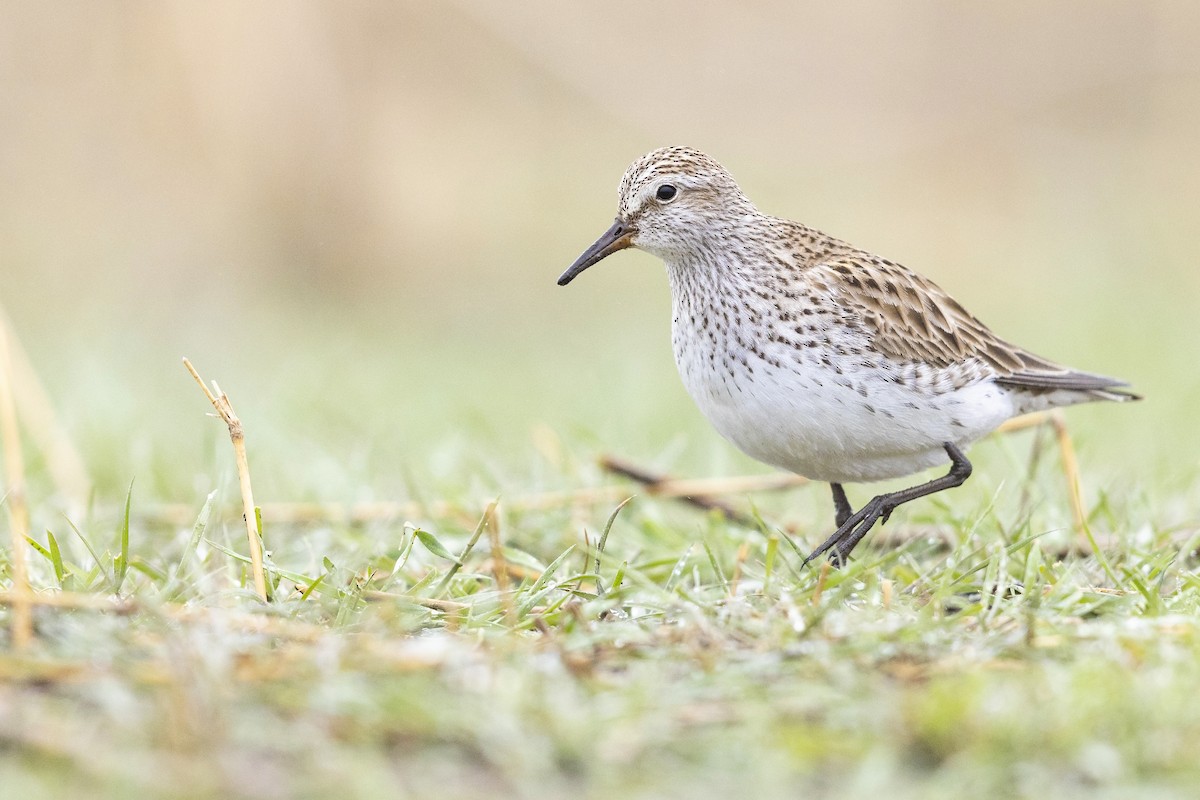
499	621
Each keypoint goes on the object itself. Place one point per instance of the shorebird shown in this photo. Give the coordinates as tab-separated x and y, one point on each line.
816	357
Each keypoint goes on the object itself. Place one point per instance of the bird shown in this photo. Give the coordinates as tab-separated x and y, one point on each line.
817	357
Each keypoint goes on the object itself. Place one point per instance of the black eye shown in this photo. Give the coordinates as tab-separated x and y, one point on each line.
666	192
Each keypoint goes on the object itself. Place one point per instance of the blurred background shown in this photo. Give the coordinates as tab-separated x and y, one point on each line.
352	216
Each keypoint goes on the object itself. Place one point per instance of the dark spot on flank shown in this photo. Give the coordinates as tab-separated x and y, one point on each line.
870	408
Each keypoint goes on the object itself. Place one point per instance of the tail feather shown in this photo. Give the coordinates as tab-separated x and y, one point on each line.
1068	381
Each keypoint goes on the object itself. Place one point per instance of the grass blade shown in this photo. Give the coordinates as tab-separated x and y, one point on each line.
677	570
56	561
608	527
92	552
121	561
434	546
458	562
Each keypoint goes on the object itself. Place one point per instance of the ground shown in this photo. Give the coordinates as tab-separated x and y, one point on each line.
441	646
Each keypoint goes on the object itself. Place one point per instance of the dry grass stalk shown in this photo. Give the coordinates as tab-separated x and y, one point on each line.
822	578
500	565
666	486
1070	469
499	562
18	509
434	603
1066	449
655	481
358	513
237	435
39	421
71	601
1024	422
742	554
658	485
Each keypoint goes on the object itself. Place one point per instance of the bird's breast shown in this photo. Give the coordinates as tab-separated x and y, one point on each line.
794	386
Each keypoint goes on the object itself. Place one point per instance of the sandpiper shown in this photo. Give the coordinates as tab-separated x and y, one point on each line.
814	356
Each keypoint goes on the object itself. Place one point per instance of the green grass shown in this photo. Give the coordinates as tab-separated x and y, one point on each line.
648	651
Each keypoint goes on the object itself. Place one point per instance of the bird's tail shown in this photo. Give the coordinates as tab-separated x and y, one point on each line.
1040	389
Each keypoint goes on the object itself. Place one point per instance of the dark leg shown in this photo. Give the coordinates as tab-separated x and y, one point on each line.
851	531
841	505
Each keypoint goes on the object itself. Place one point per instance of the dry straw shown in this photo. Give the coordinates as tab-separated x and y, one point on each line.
237	435
18	510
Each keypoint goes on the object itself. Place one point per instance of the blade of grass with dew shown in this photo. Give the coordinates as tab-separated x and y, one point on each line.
39	548
56	560
604	541
677	570
269	586
716	566
619	578
458	562
121	561
770	532
434	546
540	586
312	586
769	561
294	577
406	550
1010	549
350	600
151	571
1154	602
180	570
99	568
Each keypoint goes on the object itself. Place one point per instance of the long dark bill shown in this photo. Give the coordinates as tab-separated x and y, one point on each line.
618	237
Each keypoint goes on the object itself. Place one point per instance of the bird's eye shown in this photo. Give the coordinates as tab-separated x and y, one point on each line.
666	193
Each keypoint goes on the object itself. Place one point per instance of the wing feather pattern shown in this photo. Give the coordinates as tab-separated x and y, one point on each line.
911	319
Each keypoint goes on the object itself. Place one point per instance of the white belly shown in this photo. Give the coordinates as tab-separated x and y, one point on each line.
787	408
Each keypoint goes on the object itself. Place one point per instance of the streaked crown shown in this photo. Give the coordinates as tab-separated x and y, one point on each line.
677	197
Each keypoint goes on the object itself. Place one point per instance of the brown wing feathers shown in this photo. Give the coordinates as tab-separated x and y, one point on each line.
913	319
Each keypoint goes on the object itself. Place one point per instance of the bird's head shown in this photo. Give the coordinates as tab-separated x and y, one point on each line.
672	201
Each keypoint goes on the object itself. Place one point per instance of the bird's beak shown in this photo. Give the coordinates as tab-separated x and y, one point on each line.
618	237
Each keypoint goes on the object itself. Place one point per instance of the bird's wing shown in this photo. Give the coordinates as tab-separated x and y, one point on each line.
911	319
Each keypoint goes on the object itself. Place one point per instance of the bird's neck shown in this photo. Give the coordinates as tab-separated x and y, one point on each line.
745	256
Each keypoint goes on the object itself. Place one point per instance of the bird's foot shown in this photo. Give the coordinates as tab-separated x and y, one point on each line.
852	531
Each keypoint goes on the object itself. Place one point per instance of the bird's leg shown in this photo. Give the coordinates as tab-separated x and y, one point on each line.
851	531
841	505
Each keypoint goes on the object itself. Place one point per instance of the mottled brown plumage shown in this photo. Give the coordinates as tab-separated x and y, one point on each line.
818	357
